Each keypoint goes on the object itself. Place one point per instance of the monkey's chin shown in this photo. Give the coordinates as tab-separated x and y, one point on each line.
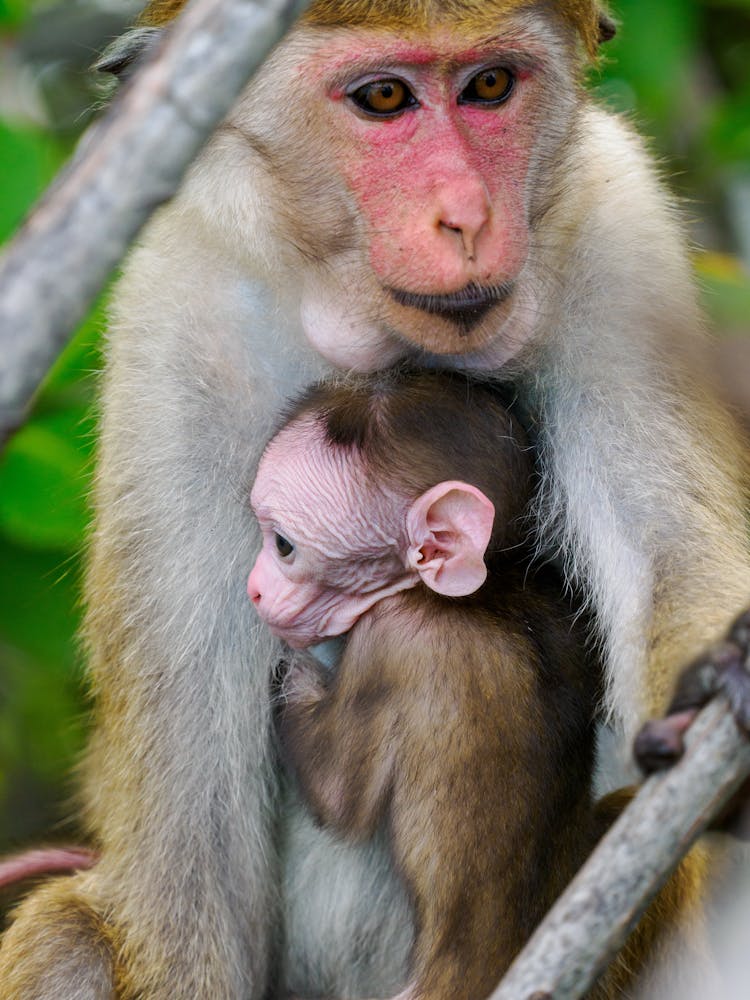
295	638
456	336
357	342
511	328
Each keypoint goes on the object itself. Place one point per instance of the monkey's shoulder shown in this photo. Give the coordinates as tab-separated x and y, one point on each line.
520	621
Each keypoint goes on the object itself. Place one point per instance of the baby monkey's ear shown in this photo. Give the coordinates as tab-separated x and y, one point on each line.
449	528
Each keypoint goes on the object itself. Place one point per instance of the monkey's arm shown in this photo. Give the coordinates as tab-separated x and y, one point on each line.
337	742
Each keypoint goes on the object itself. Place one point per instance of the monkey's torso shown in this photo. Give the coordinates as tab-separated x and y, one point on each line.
465	728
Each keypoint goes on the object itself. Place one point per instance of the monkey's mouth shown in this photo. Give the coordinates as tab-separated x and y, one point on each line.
464	308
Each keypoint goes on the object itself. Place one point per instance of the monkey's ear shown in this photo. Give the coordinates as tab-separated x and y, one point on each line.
123	55
449	528
607	27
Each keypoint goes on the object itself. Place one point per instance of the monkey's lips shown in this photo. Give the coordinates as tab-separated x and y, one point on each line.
464	308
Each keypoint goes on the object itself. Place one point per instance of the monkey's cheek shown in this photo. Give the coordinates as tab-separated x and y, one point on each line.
338	330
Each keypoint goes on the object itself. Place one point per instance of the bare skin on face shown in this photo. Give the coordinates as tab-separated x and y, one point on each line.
447	121
317	573
352	543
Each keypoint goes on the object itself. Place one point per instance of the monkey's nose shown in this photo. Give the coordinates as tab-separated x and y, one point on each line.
466	236
252	590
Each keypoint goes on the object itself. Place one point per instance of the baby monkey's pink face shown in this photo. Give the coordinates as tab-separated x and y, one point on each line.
334	544
328	550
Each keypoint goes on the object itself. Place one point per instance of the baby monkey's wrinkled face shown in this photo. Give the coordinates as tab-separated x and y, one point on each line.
335	542
331	545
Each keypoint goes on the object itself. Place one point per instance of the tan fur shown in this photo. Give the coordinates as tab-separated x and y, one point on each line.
463	726
392	15
483	826
435	722
642	501
72	955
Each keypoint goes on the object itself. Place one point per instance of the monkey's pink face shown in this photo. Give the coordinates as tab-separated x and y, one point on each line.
323	563
435	139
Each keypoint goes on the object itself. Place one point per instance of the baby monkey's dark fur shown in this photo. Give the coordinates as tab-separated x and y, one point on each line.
465	725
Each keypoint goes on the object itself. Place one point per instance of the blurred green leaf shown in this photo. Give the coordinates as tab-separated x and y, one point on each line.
728	4
652	52
43	478
39	606
35	699
728	130
41	725
725	287
28	160
13	12
77	366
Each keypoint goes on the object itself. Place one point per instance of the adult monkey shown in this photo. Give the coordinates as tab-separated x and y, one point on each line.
423	180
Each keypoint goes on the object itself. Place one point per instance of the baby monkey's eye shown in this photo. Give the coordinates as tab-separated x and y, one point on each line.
283	547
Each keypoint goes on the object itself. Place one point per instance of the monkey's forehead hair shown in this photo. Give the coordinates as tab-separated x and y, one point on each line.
415	428
393	15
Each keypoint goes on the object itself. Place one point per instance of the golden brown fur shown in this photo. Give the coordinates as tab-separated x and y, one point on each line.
74	947
466	730
465	726
392	15
213	879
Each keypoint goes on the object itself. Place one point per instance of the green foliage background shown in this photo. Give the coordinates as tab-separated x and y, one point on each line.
679	68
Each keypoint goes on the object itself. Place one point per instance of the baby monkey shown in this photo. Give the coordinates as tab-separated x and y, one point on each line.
460	713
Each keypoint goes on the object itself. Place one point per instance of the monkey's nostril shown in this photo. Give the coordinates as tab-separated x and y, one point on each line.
465	236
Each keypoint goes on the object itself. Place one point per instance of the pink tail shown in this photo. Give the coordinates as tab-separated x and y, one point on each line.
45	861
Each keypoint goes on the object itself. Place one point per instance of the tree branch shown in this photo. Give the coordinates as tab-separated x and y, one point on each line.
126	165
591	920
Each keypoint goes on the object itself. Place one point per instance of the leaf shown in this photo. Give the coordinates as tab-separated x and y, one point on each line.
13	12
725	287
79	362
28	160
44	479
652	53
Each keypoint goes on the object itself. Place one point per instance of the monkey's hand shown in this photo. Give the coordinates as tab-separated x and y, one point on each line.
304	682
723	667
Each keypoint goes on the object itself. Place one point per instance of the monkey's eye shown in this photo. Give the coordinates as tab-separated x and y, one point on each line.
491	86
283	547
383	98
